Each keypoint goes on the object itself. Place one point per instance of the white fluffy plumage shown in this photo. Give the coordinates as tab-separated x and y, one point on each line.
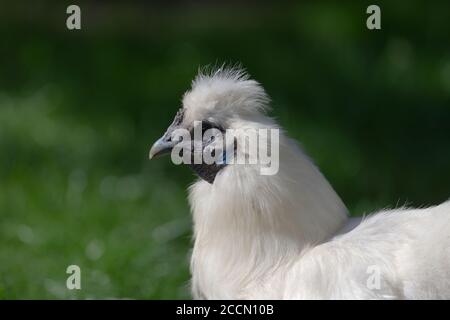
287	236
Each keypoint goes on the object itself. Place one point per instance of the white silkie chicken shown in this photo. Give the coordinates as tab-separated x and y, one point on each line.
288	235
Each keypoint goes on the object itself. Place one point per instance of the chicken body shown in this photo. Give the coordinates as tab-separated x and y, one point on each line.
288	235
398	254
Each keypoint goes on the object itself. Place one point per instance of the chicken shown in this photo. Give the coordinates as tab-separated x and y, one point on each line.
288	235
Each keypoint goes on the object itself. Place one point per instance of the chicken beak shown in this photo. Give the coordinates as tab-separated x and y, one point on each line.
165	144
160	147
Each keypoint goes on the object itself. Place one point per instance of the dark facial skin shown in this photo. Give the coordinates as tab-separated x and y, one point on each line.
205	171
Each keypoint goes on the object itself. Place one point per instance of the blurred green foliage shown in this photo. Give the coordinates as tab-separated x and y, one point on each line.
79	111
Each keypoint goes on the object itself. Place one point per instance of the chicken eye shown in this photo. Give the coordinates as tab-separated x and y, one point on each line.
206	125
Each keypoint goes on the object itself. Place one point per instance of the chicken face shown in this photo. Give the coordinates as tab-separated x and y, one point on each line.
191	142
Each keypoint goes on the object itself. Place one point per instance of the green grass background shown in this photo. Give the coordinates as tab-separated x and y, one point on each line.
79	111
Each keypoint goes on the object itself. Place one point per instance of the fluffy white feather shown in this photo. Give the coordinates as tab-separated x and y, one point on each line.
280	237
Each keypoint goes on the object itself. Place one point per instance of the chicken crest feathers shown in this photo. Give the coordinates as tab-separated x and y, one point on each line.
224	92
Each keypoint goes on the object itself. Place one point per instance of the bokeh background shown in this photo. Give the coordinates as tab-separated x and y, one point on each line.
79	111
